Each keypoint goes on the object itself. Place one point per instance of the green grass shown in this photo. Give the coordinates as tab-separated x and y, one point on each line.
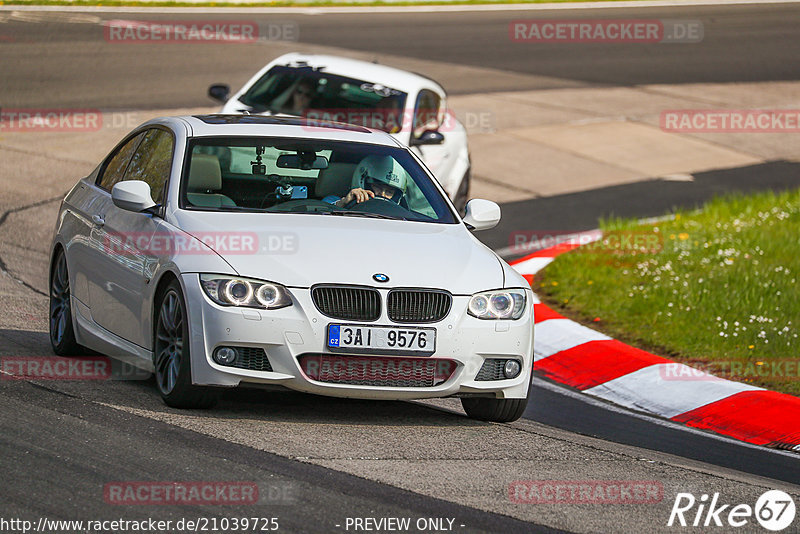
278	3
719	290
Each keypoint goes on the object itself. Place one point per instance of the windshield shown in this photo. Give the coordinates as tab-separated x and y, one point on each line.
279	175
315	94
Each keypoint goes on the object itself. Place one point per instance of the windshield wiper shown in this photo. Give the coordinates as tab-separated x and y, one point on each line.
367	214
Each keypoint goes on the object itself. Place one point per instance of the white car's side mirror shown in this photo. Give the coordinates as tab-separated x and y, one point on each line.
482	214
132	195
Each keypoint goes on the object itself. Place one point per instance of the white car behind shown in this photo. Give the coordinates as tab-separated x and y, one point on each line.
367	94
218	250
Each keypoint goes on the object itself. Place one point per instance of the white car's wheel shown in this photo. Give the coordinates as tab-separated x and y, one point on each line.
62	334
496	410
171	354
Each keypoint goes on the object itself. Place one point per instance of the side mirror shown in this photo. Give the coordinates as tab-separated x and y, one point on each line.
219	92
482	214
132	195
429	137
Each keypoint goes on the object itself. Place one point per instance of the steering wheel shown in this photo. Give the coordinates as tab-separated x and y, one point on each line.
354	202
384	206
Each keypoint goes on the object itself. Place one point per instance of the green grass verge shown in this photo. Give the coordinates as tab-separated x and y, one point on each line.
279	3
715	288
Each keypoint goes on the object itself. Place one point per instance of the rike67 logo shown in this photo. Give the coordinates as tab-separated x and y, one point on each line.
774	510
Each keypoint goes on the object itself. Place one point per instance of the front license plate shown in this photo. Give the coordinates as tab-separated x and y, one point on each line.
359	338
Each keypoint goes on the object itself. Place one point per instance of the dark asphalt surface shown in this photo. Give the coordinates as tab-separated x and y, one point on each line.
61	451
47	64
581	211
66	449
741	43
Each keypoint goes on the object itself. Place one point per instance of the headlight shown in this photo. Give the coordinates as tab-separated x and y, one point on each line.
246	292
500	304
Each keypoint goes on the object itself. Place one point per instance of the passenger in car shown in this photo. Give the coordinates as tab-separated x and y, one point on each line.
302	96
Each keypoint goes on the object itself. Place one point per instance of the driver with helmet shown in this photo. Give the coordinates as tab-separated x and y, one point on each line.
375	177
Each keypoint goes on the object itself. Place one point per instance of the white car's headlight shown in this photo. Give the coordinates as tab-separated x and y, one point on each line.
246	292
499	304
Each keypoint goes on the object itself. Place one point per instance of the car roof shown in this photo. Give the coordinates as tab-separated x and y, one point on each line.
279	126
372	72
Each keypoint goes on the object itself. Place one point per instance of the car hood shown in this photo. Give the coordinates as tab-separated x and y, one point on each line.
303	250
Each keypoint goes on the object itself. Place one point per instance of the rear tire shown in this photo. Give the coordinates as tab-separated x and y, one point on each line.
171	357
495	410
62	333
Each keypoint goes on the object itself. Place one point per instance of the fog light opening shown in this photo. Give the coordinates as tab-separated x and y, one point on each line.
225	355
512	369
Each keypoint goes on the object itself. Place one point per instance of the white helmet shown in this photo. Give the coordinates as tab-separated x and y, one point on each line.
382	169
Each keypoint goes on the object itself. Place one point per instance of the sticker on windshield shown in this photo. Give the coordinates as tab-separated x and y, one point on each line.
378	89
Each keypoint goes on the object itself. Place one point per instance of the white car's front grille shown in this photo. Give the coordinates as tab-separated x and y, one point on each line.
418	305
347	302
377	371
354	303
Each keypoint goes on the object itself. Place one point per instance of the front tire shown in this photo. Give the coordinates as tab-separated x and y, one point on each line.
495	410
62	333
171	356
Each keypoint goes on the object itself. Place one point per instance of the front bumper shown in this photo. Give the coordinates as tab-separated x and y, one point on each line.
287	334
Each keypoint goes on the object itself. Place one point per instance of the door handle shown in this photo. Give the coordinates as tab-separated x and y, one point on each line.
98	220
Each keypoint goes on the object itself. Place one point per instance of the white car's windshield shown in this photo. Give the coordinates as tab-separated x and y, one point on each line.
270	175
315	94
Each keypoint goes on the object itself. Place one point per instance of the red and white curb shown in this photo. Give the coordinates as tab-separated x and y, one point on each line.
597	365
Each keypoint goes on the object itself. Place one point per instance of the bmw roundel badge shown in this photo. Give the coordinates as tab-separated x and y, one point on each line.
380	277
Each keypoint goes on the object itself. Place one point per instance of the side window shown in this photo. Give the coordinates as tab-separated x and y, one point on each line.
152	162
426	112
115	168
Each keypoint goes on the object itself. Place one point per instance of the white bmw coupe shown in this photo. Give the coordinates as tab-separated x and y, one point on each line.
411	107
226	249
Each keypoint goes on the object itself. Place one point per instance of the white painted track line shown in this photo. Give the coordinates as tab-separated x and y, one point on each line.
648	390
556	335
